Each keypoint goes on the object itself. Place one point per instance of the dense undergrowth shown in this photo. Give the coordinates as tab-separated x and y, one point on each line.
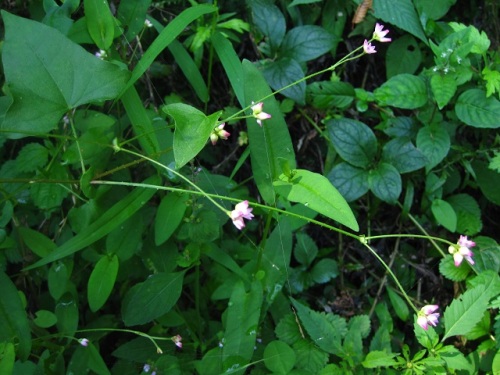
252	187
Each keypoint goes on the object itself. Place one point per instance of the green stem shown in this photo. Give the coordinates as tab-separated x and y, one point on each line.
432	239
73	130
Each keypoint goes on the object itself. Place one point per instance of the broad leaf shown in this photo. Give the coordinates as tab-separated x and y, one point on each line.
351	182
443	87
40	66
433	9
269	143
401	14
169	215
488	181
279	357
100	22
317	193
444	214
377	358
385	182
402	91
403	56
268	18
327	94
101	281
434	142
283	72
353	140
468	214
475	109
304	43
305	249
152	298
402	154
132	14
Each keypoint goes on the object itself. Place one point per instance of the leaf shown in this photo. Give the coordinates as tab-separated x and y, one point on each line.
434	142
40	64
443	88
468	214
125	240
169	215
67	314
444	214
327	94
101	281
49	195
317	193
403	56
350	181
359	328
401	14
132	14
475	109
432	9
385	182
100	22
304	43
300	2
283	72
324	271
57	280
305	250
492	78
167	35
192	130
465	312
269	143
287	330
402	91
488	180
269	21
36	241
8	355
309	356
279	357
326	332
152	298
14	326
402	154
353	140
109	220
377	358
31	157
399	305
45	319
242	319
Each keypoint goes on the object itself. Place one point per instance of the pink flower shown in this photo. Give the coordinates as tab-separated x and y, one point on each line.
177	339
367	46
258	114
379	34
427	316
241	211
217	133
84	342
462	250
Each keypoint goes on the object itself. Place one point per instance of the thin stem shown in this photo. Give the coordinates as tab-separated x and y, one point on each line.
427	234
73	130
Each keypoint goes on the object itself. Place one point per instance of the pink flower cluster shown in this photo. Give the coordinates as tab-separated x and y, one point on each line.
462	251
379	35
241	211
427	315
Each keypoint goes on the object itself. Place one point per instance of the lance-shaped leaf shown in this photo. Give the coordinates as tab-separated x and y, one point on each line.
317	193
47	75
100	22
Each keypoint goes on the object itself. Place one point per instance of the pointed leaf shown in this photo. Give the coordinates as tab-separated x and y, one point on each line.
40	66
444	214
443	87
268	18
283	72
317	193
304	43
402	154
169	215
152	298
402	91
434	142
351	182
100	22
279	357
475	109
101	281
385	182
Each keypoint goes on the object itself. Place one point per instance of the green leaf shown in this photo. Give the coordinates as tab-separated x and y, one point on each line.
45	318
192	130
101	281
167	35
465	312
358	328
169	215
402	91
287	330
443	88
433	9
385	182
434	142
309	356
300	2
14	326
327	94
403	56
488	181
205	227
279	357
399	305
317	193
494	163
100	22
269	143
468	214
304	43
454	358
125	240
36	241
377	358
49	195
326	331
401	14
31	157
67	314
475	109
283	72
43	82
492	78
448	269
305	250
353	140
324	271
132	14
444	214
152	298
402	154
57	279
8	355
108	221
350	181
269	20
242	319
